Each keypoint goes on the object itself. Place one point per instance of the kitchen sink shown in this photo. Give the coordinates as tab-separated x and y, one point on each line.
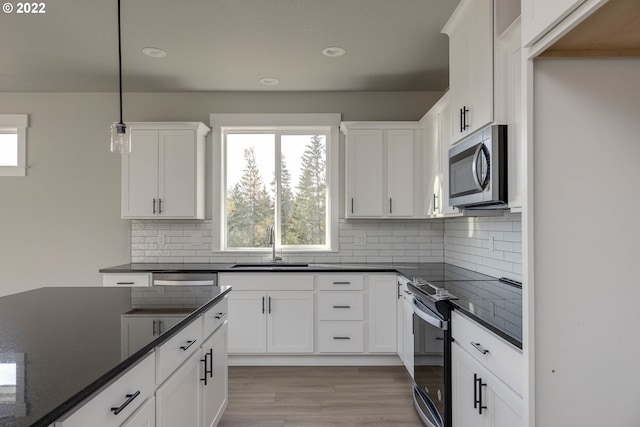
275	266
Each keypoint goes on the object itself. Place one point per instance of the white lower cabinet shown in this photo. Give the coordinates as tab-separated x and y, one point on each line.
178	402
407	319
486	377
479	398
143	417
213	390
118	401
271	322
382	313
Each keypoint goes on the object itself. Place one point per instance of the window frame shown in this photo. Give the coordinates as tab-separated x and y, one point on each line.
281	124
18	124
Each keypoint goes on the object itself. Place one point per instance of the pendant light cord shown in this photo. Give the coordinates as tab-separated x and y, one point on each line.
120	61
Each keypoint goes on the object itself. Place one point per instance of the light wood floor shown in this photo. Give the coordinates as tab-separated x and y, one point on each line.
319	396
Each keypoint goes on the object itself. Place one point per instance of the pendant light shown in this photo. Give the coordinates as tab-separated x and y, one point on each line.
120	133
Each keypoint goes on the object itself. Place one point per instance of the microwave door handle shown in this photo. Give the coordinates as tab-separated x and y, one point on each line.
474	167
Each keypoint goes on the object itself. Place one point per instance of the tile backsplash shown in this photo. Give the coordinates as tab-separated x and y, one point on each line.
360	241
489	245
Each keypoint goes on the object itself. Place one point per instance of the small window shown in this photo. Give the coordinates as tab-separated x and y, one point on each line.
13	131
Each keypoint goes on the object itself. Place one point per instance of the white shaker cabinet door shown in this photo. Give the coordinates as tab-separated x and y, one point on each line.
290	322
177	174
382	314
247	322
177	400
400	158
214	392
140	175
365	173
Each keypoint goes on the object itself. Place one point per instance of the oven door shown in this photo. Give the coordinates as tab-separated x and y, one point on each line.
429	394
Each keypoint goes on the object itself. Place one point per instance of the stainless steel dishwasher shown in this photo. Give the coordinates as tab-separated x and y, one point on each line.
184	279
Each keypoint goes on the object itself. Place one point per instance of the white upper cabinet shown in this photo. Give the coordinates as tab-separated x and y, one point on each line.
437	139
163	176
382	169
470	31
365	173
539	16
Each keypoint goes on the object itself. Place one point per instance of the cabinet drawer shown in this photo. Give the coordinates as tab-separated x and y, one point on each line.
340	337
341	282
340	306
126	280
214	317
266	281
501	358
171	354
134	386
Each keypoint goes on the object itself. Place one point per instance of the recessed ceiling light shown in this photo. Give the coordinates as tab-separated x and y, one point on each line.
334	51
154	52
269	81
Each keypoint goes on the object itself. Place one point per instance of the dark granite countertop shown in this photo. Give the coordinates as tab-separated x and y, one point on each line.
494	305
62	344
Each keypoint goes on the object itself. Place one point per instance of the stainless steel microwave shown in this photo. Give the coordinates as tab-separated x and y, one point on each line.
478	170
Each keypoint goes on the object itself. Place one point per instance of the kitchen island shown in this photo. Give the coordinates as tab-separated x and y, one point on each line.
61	346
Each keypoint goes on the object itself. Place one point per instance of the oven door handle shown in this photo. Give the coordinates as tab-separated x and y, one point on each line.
424	313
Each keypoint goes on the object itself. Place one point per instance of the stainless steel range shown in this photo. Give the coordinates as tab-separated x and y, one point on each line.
432	352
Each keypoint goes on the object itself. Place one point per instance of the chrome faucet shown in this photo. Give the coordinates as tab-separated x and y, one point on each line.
272	242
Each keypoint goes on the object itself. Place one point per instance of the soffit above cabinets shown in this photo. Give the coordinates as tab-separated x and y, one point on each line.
611	31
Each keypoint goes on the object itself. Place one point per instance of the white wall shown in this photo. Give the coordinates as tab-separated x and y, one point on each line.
586	231
61	223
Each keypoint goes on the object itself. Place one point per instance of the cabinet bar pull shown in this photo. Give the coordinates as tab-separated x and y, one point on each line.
341	283
262	305
220	315
269	305
205	368
189	344
475	391
130	397
461	129
154	206
479	385
399	286
435	205
160	331
341	338
390	205
341	306
352	205
154	328
210	371
125	283
465	110
480	348
159	206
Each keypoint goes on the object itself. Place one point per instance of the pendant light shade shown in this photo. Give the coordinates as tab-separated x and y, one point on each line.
120	135
120	138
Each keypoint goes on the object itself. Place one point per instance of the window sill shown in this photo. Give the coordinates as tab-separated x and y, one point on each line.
13	171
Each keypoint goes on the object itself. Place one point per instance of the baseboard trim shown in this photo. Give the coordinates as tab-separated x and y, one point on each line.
315	360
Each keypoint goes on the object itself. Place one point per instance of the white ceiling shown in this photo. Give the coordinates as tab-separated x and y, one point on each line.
227	45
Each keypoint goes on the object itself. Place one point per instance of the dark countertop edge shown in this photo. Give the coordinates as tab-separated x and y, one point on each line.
227	268
502	334
106	379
